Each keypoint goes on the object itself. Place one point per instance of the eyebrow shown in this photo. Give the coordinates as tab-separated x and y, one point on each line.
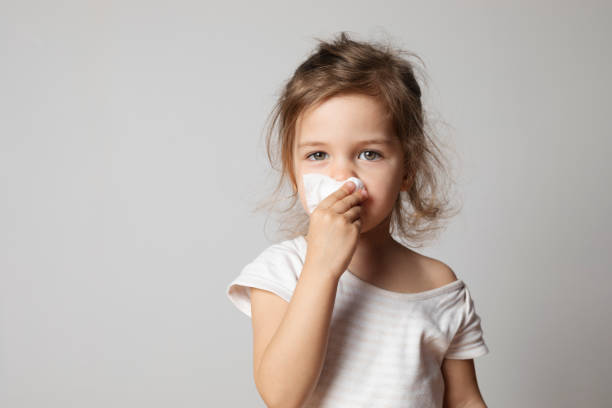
363	142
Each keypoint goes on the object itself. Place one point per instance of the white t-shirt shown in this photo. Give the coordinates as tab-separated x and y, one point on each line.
385	348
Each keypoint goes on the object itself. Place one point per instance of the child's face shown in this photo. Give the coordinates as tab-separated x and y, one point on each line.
342	125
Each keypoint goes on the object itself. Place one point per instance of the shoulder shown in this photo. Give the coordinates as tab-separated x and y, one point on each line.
283	259
441	272
434	271
281	252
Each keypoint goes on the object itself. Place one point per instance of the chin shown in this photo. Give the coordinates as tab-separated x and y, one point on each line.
370	222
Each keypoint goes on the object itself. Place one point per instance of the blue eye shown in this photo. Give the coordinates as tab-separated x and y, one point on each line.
370	151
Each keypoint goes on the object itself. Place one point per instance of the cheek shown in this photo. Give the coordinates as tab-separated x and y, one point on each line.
380	196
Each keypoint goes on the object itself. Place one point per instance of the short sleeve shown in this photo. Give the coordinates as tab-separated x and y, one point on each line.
468	341
276	269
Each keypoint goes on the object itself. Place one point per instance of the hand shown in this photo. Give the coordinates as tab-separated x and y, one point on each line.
334	229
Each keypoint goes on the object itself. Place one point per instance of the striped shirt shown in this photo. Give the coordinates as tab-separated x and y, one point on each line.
385	348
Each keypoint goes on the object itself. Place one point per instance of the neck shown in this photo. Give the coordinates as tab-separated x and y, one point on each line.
373	247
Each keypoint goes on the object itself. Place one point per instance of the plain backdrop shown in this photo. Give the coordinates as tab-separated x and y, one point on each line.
131	157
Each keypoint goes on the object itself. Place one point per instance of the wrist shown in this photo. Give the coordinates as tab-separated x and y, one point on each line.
322	272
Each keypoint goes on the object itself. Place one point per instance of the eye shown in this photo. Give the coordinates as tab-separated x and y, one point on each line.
311	154
365	151
372	151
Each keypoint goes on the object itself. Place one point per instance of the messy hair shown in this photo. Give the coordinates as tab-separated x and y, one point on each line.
379	70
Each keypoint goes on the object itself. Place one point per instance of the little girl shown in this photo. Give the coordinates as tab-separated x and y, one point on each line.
344	315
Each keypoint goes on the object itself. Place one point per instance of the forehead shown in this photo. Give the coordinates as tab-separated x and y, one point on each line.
344	114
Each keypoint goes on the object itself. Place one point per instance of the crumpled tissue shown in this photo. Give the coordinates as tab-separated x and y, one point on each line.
318	186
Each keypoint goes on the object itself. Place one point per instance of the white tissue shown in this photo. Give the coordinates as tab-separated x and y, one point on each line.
318	186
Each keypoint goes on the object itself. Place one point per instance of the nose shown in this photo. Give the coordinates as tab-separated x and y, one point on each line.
341	170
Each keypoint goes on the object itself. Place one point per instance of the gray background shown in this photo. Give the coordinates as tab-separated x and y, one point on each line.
131	157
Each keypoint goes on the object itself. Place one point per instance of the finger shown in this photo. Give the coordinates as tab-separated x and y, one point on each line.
349	201
353	214
343	191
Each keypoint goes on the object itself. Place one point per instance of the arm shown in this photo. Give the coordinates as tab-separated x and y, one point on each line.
290	339
461	386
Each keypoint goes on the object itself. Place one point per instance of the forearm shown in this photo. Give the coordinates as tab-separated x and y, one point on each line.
291	363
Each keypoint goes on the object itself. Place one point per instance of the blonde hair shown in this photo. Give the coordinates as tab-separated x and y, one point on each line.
342	66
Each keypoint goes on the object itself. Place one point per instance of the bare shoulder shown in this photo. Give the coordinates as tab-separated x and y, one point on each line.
434	271
442	273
